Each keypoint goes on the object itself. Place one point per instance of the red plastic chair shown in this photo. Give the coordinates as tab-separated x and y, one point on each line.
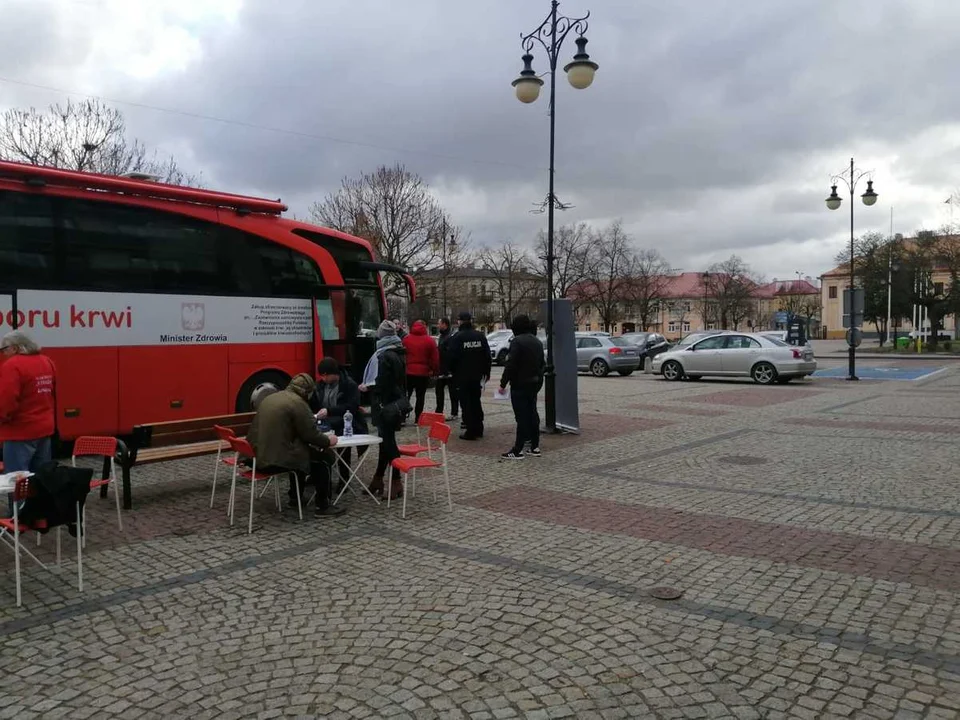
427	420
243	448
409	465
223	435
12	527
104	447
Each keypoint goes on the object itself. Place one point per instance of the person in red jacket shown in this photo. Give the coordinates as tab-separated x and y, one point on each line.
27	412
423	363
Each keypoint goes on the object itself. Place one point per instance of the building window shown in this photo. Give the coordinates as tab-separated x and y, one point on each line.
686	307
672	326
832	292
686	326
588	327
938	288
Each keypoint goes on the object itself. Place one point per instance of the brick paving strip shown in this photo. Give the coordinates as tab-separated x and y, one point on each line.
624	475
772	624
876	558
876	425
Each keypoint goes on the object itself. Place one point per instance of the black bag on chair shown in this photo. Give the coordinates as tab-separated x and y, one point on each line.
56	491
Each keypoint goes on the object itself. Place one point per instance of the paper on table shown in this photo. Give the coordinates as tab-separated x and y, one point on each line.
501	393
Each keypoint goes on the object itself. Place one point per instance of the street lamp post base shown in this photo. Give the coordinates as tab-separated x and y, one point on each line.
853	378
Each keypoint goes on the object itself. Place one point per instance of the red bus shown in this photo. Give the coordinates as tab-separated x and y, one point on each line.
159	302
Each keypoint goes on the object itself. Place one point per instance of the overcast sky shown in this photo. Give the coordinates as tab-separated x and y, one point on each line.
712	128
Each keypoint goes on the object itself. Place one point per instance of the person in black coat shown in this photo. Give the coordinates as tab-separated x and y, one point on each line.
469	358
444	379
524	373
385	377
337	393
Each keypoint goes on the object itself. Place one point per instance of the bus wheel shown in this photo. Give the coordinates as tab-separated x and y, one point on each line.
258	386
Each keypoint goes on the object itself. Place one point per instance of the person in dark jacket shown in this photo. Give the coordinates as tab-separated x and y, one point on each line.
524	373
423	363
285	438
336	393
444	380
385	376
470	367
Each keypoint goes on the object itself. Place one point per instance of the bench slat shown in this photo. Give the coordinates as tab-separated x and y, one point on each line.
186	437
162	428
152	455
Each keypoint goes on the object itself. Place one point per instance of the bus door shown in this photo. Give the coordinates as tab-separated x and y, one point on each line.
345	326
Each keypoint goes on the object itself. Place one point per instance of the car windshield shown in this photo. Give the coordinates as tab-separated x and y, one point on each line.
691	338
497	335
620	342
636	338
777	341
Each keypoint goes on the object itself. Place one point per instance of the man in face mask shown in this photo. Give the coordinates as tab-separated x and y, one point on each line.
337	393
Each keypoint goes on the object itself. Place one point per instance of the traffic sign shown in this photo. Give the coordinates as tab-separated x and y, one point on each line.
854	337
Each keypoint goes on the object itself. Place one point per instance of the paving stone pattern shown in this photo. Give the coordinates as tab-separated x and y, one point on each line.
813	529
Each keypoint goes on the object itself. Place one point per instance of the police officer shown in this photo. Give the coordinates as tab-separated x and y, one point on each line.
470	366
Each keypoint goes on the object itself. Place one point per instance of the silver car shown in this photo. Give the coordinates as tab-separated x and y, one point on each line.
767	360
599	354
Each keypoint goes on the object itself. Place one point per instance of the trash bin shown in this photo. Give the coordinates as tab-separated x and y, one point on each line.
903	342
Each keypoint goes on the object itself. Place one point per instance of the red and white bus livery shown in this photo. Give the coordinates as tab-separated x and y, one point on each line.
159	302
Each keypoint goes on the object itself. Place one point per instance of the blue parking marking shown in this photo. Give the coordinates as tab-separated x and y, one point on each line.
881	372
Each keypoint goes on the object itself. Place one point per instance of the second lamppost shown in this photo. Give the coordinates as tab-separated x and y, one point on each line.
833	202
580	71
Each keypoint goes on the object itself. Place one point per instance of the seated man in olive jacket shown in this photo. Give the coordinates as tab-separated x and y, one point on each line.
285	437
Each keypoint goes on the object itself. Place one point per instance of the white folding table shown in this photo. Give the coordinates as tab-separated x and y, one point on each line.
354	441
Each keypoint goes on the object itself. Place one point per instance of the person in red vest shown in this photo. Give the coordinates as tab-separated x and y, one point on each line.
423	363
27	408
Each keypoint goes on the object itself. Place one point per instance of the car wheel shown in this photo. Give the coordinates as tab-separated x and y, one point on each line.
764	373
625	373
598	368
502	357
672	370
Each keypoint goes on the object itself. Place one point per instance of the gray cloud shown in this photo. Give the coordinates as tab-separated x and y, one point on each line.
712	126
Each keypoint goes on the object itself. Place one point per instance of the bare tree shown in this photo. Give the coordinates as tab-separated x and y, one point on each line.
648	282
728	292
516	288
571	256
612	267
82	136
393	209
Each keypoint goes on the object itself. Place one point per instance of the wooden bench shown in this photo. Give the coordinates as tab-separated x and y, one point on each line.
176	440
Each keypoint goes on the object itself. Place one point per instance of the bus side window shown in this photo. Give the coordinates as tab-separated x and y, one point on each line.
27	240
109	247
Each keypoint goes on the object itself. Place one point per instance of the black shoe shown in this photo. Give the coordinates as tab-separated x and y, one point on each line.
534	452
512	455
468	436
331	511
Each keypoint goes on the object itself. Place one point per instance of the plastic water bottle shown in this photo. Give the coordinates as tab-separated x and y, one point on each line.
348	424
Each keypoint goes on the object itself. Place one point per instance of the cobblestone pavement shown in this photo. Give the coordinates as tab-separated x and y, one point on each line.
813	529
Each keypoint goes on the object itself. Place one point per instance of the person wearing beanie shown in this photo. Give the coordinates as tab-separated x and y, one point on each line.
523	371
285	438
470	366
423	363
444	381
385	376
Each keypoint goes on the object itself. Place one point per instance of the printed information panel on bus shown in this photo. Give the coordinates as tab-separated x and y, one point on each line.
89	319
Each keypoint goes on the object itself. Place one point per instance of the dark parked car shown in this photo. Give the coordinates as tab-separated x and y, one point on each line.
649	344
